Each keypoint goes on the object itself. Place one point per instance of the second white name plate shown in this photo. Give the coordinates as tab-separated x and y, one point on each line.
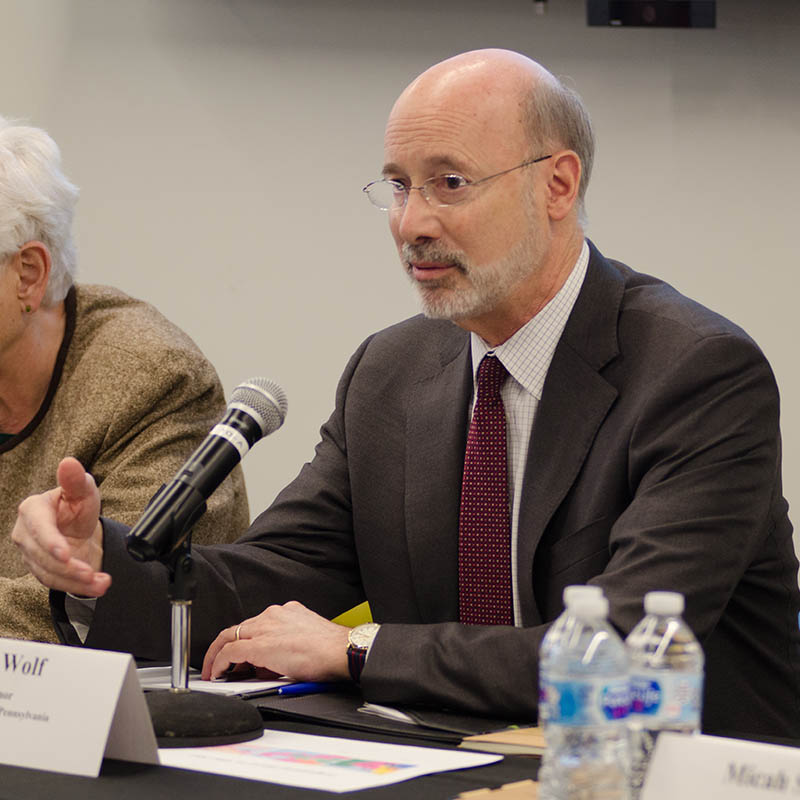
717	768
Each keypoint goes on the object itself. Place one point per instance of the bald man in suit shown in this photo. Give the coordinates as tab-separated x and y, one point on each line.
643	449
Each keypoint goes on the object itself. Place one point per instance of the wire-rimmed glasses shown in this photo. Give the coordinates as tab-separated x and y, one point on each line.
440	190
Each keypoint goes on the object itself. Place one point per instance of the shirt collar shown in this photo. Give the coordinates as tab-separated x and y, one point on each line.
528	353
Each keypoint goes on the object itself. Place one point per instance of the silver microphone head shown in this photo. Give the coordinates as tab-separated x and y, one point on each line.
263	400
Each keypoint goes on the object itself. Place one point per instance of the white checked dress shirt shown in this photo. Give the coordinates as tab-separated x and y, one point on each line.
527	356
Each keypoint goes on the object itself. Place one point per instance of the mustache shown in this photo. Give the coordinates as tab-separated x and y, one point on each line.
432	252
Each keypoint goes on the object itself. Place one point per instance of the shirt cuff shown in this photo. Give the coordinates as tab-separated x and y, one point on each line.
80	613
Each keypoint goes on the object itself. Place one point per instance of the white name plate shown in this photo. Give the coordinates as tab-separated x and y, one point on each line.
63	708
715	768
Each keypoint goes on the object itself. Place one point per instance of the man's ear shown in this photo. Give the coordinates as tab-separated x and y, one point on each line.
563	184
33	264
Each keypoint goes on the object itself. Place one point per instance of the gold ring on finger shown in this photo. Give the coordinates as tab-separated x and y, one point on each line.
236	635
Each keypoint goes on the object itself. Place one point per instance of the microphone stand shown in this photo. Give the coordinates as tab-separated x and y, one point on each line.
182	586
181	717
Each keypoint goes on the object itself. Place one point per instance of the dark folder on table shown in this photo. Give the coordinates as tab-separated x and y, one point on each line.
341	709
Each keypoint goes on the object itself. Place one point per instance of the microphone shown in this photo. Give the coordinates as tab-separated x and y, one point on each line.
257	408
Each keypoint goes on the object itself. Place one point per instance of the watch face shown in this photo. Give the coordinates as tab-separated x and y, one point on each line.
362	635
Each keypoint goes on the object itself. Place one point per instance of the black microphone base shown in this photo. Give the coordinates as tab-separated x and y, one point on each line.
201	719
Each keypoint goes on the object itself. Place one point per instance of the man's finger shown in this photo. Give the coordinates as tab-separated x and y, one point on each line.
230	654
74	577
225	636
34	528
76	484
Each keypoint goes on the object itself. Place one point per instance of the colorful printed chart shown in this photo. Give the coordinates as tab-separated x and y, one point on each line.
321	762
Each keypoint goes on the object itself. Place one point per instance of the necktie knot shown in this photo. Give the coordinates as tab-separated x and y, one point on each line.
491	375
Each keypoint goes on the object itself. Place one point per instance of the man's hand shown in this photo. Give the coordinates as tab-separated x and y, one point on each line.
60	535
285	640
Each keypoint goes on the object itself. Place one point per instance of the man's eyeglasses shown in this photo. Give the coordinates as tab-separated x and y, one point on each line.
441	190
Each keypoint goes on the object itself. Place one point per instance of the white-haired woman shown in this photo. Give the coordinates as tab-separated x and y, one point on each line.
85	371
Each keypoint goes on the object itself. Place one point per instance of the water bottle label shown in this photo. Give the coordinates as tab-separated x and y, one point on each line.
590	701
667	696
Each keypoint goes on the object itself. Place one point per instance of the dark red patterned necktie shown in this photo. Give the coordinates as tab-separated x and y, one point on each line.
484	545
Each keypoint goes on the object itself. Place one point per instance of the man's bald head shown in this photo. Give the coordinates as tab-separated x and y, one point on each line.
492	70
507	89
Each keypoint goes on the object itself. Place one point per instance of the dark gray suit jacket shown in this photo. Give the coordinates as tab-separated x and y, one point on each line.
654	464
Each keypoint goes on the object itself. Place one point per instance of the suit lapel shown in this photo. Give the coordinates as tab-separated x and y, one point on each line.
436	433
575	401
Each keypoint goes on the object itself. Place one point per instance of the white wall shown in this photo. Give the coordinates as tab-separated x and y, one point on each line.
221	146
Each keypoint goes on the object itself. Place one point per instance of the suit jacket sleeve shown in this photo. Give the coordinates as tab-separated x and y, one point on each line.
300	549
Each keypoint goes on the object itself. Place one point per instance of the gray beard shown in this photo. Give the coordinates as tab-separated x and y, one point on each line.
485	286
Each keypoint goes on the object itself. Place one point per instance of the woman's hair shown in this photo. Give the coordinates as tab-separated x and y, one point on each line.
36	202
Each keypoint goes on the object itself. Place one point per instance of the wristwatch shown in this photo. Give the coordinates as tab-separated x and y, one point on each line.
359	641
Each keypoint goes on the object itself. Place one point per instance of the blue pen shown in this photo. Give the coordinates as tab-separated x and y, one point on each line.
307	688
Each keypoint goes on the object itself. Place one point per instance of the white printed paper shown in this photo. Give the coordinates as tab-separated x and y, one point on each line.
321	762
161	678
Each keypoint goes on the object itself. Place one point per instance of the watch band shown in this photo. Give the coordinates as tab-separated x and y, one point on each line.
356	658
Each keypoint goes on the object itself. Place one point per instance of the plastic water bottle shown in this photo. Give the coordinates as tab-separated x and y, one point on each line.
585	700
553	637
666	679
551	641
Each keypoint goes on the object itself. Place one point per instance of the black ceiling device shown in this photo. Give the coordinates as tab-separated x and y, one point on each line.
652	13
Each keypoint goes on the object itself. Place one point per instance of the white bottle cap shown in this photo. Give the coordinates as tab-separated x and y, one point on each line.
578	589
664	604
588	605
